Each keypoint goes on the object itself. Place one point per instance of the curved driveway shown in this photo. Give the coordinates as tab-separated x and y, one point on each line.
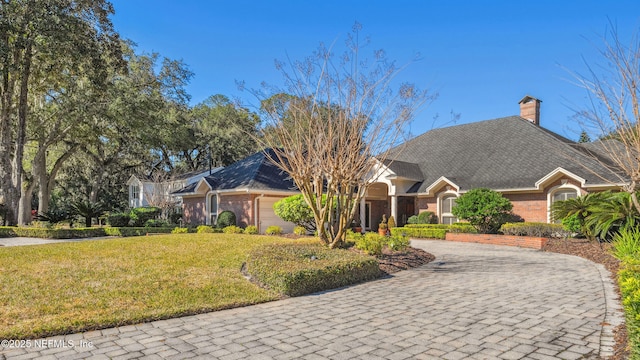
473	302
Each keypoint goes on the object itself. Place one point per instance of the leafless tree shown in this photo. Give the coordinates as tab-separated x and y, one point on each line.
341	116
159	195
614	107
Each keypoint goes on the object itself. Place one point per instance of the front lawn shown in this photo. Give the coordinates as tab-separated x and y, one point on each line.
71	287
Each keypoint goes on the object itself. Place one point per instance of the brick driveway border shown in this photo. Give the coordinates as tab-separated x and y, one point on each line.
473	302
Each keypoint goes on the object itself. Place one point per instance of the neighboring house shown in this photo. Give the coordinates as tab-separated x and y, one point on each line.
248	187
153	191
531	166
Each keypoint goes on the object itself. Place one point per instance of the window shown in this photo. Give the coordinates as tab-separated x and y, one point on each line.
447	203
566	194
562	195
134	199
213	209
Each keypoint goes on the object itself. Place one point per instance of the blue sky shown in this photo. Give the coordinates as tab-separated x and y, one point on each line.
481	57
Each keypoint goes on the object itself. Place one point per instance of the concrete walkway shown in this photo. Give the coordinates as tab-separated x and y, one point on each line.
23	241
473	302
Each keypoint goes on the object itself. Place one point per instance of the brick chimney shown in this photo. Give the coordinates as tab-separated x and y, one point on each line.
530	109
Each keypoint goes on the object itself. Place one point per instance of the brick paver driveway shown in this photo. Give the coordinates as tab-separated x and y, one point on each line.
472	302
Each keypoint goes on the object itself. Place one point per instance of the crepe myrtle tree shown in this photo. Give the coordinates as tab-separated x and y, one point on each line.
613	111
334	116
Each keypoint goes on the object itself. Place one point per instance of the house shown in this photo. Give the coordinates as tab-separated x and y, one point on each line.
530	165
248	187
153	191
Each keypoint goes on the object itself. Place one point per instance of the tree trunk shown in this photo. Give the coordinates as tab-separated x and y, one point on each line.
24	208
21	132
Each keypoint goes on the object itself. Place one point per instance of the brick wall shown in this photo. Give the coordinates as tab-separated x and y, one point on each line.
531	207
508	240
193	210
242	207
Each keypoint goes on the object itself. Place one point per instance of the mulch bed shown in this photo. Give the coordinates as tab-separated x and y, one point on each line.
391	262
598	253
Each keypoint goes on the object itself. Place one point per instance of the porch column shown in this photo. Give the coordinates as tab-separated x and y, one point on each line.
363	219
394	207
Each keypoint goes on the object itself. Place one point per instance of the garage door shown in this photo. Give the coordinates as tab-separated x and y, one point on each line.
268	217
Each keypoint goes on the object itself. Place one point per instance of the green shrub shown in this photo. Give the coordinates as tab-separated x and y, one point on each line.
40	224
45	233
139	216
626	244
427	217
54	215
299	269
179	230
204	229
155	223
626	247
391	222
226	218
135	231
483	208
428	226
462	228
296	210
534	229
7	231
232	230
413	219
299	230
629	281
273	230
118	219
573	223
424	233
397	242
371	243
251	230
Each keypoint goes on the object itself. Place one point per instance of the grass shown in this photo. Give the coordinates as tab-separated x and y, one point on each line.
71	287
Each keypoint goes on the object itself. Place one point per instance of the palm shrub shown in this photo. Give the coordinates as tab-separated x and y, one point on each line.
580	209
226	218
483	208
87	209
614	212
55	215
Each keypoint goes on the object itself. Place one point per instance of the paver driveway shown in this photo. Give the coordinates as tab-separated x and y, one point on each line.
472	302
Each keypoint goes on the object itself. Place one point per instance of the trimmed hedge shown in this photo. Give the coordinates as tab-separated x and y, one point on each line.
427	233
44	233
299	269
135	231
535	229
77	233
433	231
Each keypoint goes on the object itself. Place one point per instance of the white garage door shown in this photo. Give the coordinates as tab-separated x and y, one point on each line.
268	217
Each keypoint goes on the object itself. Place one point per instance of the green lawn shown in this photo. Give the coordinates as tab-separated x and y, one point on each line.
71	287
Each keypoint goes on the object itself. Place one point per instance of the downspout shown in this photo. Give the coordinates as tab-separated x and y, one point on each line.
255	211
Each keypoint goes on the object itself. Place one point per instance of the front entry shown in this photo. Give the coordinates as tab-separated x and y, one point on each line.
406	209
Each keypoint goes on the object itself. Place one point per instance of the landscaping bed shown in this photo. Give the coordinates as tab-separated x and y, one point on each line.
601	254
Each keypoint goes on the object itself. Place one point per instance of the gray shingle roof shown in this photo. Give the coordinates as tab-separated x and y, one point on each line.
255	172
405	169
504	153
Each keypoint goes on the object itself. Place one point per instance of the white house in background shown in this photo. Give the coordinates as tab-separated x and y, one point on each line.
150	191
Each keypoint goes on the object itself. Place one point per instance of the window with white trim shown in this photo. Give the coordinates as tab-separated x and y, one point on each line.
447	203
135	196
562	195
213	209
